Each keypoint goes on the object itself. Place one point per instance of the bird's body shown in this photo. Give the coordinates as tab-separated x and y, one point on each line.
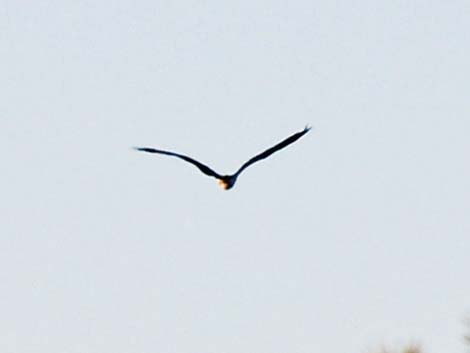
228	181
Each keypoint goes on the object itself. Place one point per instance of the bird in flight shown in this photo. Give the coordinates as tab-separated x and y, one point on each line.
228	181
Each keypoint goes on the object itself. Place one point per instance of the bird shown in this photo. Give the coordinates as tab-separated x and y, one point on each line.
228	181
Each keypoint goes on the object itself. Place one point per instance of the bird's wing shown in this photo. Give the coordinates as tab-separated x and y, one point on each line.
203	168
270	151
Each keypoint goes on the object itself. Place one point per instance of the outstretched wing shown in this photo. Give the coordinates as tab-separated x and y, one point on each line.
270	151
203	168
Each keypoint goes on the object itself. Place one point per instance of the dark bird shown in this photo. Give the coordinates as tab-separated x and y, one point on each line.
228	181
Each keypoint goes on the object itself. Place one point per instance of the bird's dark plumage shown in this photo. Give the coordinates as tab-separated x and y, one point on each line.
270	151
227	181
203	168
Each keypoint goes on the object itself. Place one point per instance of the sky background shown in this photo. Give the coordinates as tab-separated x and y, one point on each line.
357	235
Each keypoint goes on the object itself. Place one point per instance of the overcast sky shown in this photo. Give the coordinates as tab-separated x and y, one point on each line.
357	235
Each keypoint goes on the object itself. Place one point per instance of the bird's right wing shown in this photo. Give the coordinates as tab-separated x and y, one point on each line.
270	151
203	168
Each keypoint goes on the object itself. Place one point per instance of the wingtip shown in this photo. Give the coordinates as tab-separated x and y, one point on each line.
307	128
141	149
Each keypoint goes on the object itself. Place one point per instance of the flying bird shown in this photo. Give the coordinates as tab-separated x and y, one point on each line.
228	181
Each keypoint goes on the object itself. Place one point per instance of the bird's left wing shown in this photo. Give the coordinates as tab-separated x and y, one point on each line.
203	168
270	151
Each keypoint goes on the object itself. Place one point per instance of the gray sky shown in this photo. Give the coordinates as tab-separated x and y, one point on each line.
355	236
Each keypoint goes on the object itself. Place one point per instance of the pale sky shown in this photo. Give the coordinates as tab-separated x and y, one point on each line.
358	235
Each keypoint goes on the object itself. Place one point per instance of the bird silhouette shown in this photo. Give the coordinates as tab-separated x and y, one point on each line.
228	181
